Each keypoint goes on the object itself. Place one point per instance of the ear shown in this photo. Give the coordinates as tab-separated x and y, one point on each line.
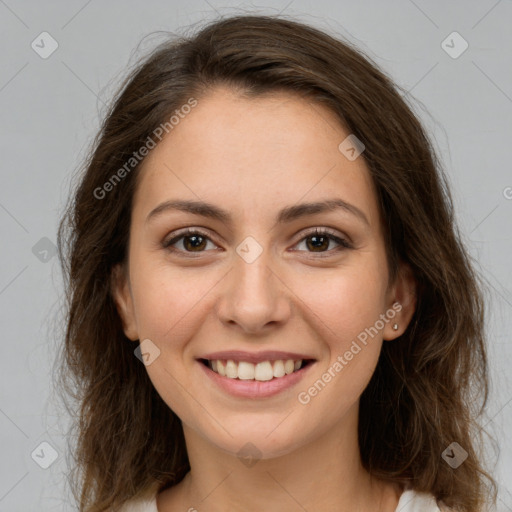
401	300
121	292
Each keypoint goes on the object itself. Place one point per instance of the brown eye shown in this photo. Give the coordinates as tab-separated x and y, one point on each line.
319	240
192	241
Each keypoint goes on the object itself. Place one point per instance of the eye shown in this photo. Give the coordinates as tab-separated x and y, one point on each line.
193	241
320	239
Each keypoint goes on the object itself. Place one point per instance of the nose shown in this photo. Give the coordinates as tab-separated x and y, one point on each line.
254	297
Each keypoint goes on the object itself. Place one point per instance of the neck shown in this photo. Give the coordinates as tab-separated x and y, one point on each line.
323	474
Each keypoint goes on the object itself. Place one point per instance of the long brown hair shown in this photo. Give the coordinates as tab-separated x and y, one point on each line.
430	386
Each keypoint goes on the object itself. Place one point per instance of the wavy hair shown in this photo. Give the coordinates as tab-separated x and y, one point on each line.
430	386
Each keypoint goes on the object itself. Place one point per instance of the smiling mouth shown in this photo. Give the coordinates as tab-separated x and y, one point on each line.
262	371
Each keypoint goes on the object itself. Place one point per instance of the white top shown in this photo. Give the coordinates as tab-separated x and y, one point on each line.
410	501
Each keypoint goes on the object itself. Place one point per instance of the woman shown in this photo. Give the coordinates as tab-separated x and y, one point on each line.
269	304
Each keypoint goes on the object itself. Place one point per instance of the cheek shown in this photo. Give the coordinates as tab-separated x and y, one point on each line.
345	303
165	300
346	308
168	308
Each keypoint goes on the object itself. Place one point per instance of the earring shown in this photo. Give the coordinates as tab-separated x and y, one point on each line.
395	327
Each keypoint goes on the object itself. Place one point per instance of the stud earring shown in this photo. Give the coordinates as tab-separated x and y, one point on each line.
395	327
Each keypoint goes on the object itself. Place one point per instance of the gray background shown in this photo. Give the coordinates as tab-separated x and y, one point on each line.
50	109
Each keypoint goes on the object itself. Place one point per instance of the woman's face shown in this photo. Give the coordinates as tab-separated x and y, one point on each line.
256	279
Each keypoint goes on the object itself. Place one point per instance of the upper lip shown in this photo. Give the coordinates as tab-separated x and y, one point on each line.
255	357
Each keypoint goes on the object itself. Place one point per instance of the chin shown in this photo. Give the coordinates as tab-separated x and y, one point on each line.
258	440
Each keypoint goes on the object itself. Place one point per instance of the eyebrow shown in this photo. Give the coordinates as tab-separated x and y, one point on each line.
287	214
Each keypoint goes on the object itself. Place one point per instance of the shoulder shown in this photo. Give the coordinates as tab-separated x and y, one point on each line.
140	505
414	501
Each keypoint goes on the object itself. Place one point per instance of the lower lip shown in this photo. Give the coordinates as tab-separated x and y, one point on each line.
255	388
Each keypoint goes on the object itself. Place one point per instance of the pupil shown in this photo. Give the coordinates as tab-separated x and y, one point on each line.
195	243
316	238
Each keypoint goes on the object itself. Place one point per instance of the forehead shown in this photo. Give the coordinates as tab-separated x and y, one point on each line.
254	155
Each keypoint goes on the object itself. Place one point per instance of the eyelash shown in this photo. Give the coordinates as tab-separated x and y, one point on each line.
344	244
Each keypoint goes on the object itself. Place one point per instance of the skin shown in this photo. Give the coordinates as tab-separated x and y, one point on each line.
253	157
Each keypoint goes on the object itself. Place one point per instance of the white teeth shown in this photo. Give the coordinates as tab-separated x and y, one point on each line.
245	371
279	369
289	366
263	371
231	369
